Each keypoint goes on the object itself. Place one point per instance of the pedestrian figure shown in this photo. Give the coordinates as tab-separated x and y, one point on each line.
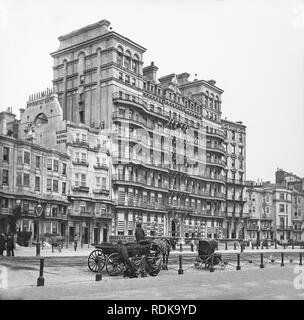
139	233
2	244
10	245
123	252
75	242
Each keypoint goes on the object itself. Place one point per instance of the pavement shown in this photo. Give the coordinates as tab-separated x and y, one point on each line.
67	276
251	284
87	249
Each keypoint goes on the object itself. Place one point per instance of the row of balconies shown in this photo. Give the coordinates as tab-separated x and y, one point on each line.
101	190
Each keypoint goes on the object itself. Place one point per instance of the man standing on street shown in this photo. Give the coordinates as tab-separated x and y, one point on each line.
75	242
139	233
2	244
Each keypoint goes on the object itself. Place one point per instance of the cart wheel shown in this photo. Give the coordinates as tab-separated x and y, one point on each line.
114	264
93	260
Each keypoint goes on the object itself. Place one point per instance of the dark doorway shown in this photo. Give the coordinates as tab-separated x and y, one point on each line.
63	229
35	231
173	228
105	235
86	236
71	233
96	235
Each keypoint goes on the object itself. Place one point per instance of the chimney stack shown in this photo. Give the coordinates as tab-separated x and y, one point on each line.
150	72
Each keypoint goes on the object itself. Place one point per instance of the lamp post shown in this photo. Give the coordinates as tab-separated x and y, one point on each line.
38	211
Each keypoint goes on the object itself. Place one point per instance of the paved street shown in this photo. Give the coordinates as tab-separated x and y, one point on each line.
270	283
68	277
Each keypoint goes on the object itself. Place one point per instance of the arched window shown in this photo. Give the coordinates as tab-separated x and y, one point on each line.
216	103
211	101
127	60
40	120
135	63
120	56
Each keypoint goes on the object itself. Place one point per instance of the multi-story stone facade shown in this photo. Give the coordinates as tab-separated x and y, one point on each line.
275	210
88	191
259	208
27	182
235	147
167	139
296	185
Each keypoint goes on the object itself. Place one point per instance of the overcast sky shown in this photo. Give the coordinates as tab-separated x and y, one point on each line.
253	49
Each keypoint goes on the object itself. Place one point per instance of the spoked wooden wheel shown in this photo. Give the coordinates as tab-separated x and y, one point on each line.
93	260
114	264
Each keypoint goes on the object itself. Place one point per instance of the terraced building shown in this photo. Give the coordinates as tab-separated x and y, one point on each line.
167	142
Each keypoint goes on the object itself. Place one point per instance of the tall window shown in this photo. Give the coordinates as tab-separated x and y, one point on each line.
64	166
37	183
38	159
55	185
56	164
119	56
19	179
76	179
97	181
63	187
83	180
282	196
26	157
49	184
5	177
281	208
49	164
5	154
127	61
26	179
104	183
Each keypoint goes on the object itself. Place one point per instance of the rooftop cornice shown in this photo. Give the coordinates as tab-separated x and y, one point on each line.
103	36
84	29
206	83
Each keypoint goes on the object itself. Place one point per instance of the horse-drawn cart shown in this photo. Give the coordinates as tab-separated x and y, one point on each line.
144	255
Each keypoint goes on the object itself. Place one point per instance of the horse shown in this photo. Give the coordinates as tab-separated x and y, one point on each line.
163	246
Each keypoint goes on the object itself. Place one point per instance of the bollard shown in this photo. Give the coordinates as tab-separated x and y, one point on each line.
192	247
262	264
42	245
238	267
282	259
234	246
67	244
52	247
267	245
292	245
180	247
300	264
81	244
180	270
226	245
284	245
59	247
40	280
252	245
212	264
275	245
98	276
37	249
262	247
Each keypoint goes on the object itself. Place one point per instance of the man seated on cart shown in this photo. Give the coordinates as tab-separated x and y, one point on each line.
139	233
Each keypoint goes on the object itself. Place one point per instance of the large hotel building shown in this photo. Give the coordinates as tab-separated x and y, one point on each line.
141	148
